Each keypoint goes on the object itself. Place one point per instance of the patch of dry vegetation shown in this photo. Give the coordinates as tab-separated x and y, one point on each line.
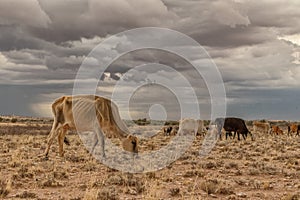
267	168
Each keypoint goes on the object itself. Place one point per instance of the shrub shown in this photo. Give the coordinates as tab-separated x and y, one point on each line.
13	120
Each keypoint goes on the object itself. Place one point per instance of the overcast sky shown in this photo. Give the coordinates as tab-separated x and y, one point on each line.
255	45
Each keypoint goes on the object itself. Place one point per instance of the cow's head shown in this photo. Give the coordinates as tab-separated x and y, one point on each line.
130	144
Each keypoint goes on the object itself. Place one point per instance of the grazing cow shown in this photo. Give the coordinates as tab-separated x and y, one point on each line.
276	130
201	128
170	130
188	127
88	113
175	130
264	126
232	124
293	128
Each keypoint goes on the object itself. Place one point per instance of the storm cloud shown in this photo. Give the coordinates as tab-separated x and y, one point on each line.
256	46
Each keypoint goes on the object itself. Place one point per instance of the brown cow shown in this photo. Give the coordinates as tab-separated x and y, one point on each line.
293	128
88	113
276	130
264	126
201	128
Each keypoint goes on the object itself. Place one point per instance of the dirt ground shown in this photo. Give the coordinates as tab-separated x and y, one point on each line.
266	168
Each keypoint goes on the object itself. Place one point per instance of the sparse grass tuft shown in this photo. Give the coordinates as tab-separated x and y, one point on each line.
137	185
174	191
231	165
210	187
108	193
5	188
26	195
292	197
50	181
115	180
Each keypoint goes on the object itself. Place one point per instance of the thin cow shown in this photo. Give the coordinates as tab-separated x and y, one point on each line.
88	113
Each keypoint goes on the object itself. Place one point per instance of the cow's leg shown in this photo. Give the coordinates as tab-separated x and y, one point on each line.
234	134
100	137
53	133
243	134
220	133
238	133
61	137
95	143
228	134
231	135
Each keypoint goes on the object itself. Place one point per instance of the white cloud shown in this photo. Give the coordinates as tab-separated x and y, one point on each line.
229	13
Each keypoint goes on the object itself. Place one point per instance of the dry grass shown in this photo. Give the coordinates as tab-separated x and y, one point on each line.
267	168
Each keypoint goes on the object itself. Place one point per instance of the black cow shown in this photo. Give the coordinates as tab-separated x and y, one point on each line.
232	124
168	130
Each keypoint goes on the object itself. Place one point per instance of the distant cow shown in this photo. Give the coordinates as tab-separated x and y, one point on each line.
293	128
188	127
170	130
232	124
276	130
264	126
201	128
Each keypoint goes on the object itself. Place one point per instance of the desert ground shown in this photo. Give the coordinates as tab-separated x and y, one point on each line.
266	168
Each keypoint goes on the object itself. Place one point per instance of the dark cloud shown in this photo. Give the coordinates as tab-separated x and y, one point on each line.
43	43
27	13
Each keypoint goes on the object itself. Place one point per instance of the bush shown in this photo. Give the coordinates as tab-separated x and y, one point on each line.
13	120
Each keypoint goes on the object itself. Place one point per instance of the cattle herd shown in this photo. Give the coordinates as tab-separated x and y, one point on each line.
232	126
97	114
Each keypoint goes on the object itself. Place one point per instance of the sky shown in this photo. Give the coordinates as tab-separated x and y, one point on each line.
254	44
